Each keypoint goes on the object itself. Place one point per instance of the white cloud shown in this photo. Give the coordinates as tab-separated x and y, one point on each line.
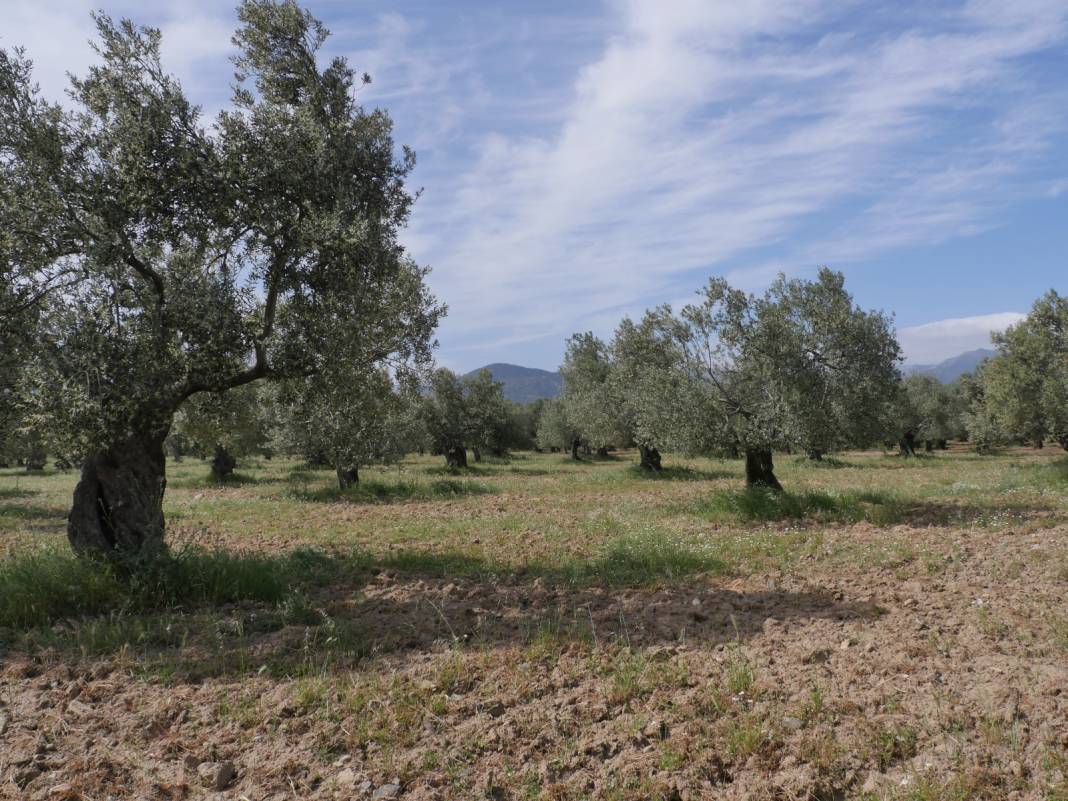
933	342
706	132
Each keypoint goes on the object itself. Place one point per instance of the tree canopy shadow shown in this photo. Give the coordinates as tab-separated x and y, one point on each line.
32	512
677	473
383	492
208	481
325	612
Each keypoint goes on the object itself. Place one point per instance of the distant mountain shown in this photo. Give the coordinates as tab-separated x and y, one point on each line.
525	384
951	368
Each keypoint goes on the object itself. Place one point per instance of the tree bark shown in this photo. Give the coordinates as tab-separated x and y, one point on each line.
222	464
456	456
760	470
1039	443
928	445
650	458
575	444
477	453
941	445
118	503
347	477
815	455
36	459
907	444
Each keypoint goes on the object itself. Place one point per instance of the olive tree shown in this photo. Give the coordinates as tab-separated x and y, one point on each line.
226	425
588	397
644	383
348	420
177	259
444	413
487	414
1025	385
555	430
801	364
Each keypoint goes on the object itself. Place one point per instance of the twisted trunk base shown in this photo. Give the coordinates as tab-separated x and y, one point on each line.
650	458
222	464
456	456
118	503
760	470
347	477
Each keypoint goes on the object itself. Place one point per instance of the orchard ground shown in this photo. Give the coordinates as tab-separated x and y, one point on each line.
533	628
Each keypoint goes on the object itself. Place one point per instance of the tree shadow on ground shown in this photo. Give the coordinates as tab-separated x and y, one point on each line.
410	602
762	506
384	492
208	481
32	513
682	474
472	469
10	493
826	463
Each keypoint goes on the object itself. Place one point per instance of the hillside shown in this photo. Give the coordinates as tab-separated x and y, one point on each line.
952	368
525	384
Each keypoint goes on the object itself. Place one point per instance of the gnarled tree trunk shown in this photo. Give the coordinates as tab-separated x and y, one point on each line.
36	459
118	502
222	464
760	470
907	444
602	452
575	444
650	458
477	453
456	456
347	477
815	455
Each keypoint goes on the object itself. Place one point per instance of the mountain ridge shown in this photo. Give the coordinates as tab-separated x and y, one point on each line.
528	384
524	384
949	370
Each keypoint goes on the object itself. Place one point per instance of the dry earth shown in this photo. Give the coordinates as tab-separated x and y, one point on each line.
913	647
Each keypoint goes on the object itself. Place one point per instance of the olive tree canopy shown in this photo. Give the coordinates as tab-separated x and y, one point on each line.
800	367
1025	386
175	259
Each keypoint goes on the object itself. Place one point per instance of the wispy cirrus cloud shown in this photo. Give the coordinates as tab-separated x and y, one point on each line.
742	139
579	165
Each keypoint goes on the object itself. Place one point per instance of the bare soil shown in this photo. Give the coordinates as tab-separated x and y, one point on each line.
911	661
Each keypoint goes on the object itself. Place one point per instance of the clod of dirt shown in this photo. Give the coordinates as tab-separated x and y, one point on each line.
386	791
216	775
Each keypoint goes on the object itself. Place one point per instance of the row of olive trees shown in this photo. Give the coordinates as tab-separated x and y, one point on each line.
800	367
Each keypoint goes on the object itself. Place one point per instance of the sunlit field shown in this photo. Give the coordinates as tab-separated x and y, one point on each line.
537	628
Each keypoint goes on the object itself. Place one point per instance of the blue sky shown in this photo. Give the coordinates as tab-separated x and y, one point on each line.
584	161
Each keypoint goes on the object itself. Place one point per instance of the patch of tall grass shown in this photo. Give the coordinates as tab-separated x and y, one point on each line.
38	587
880	508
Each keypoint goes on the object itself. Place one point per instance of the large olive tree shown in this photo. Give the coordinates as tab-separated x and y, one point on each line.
797	365
1026	384
176	259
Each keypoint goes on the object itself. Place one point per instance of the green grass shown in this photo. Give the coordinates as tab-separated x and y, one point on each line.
881	508
41	586
393	492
